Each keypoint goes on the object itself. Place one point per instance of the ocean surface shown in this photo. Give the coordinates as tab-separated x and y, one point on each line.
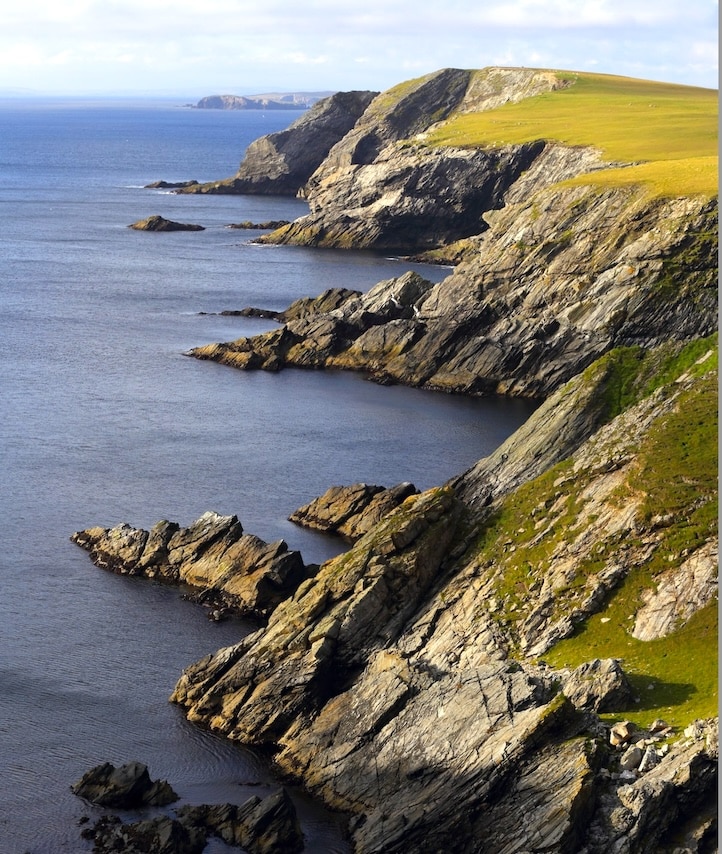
104	420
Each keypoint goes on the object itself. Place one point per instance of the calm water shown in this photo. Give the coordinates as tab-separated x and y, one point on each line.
104	420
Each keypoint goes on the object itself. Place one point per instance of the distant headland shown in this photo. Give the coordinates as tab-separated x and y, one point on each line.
272	101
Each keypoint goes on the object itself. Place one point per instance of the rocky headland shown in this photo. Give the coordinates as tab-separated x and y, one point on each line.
522	659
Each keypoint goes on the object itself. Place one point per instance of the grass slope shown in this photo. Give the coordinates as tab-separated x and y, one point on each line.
669	130
676	471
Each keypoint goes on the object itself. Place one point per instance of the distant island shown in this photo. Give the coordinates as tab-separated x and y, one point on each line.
274	101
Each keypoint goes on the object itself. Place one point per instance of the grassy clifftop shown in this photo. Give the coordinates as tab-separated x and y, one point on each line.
668	131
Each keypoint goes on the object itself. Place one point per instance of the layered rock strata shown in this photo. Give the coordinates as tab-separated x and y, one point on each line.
552	285
400	684
228	568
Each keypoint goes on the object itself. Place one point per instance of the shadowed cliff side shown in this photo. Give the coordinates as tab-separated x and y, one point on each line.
281	163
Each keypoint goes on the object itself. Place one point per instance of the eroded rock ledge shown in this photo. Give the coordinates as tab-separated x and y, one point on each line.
552	285
229	569
351	511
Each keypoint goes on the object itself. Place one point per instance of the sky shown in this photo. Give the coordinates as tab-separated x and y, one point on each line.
193	48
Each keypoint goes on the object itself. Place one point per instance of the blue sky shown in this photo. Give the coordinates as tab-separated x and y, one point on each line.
188	48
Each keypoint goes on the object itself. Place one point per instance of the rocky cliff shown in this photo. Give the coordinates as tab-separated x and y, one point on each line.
555	282
404	684
522	659
281	163
550	274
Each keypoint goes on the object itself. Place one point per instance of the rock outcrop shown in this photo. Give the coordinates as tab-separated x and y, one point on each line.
159	223
351	511
267	826
282	162
127	787
259	826
229	569
553	285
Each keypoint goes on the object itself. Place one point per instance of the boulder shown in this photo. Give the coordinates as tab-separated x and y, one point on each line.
159	223
126	787
599	686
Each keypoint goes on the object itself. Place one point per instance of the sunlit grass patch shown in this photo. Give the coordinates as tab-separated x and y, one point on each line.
628	120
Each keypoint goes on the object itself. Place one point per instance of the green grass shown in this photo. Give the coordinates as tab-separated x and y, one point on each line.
670	130
674	677
676	475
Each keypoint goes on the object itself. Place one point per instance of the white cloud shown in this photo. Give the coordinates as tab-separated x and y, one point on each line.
326	44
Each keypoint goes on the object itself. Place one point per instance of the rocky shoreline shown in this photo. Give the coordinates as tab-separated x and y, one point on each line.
514	661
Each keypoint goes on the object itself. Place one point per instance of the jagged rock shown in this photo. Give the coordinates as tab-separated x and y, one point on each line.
679	593
159	223
231	569
598	685
351	511
126	787
267	826
281	163
162	835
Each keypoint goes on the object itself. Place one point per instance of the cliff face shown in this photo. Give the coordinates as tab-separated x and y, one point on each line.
402	683
556	281
281	163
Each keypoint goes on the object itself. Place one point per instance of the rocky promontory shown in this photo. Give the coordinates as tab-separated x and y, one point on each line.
367	680
227	568
281	163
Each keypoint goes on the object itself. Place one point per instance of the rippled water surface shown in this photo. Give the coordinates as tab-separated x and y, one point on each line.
104	420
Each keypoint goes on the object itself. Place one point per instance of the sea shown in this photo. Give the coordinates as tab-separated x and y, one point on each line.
105	420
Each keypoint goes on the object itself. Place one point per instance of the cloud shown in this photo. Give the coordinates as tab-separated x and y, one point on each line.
324	44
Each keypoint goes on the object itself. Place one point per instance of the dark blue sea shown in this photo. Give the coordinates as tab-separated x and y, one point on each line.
104	420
